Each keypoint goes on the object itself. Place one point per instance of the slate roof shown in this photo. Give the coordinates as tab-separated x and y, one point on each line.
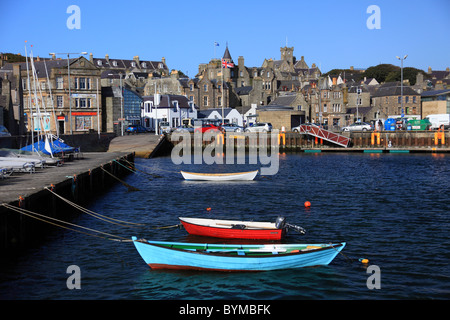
393	90
183	102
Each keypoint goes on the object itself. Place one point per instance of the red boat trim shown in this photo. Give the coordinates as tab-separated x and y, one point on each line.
159	266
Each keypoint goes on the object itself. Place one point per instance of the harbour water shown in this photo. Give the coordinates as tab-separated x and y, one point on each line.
392	209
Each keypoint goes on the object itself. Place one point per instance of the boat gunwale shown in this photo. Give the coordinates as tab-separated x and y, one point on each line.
219	174
253	254
247	228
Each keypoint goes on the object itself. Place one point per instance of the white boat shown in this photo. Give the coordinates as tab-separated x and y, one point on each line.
246	176
17	166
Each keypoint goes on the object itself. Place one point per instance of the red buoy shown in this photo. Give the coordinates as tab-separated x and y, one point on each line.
307	204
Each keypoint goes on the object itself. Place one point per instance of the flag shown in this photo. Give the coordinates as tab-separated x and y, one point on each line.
216	44
226	64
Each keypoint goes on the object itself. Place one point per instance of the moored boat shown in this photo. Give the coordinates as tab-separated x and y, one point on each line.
234	229
239	257
243	176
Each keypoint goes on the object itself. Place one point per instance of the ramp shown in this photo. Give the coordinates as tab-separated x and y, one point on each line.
321	133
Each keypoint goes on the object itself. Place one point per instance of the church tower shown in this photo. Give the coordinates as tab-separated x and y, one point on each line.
287	54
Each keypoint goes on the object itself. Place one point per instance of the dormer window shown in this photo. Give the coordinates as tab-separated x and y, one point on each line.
144	65
114	63
161	66
133	64
99	62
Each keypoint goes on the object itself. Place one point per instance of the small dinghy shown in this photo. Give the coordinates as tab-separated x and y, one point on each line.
234	257
245	176
233	229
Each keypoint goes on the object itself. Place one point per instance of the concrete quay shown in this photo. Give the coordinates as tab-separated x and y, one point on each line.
143	145
78	181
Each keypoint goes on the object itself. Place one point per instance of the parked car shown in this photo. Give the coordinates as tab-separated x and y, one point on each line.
297	129
4	132
135	128
231	127
184	128
260	127
164	127
358	126
207	127
437	120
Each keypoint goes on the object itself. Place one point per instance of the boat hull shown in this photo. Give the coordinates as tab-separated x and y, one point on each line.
226	231
237	176
158	256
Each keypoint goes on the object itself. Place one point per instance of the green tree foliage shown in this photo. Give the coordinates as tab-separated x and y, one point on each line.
382	73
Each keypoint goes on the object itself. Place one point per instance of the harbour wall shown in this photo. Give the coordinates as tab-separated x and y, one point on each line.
79	181
413	141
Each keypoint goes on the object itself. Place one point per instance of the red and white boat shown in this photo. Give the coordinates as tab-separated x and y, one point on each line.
235	229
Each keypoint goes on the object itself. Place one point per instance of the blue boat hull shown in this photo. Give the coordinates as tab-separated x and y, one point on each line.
158	256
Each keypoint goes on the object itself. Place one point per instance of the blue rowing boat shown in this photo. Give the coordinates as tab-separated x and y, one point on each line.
234	257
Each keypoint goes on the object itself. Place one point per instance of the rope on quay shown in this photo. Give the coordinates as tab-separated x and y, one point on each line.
36	216
130	188
97	215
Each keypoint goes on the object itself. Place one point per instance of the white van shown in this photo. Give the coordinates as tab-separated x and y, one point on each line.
439	119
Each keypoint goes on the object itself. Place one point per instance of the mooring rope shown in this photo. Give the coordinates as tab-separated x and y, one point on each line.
145	172
96	215
36	216
130	188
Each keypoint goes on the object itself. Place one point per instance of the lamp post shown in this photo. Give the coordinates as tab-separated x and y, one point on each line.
68	75
401	84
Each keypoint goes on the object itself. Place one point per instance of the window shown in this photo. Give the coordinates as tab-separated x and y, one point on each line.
99	62
59	101
148	107
324	107
219	101
133	64
205	101
83	103
191	98
406	99
175	106
414	99
399	99
83	123
114	63
82	83
191	87
59	83
144	65
205	88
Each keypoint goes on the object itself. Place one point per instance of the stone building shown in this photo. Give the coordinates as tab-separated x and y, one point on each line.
60	112
387	101
11	101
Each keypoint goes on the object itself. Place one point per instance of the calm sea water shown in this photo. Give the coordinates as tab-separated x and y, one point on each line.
390	209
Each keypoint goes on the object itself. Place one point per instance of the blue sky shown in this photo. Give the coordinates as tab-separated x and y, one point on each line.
332	34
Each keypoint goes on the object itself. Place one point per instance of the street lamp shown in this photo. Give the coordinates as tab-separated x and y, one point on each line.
401	84
68	75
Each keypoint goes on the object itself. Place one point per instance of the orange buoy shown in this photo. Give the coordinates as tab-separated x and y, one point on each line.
208	209
307	204
364	261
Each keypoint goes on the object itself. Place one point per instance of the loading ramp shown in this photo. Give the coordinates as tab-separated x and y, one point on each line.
321	133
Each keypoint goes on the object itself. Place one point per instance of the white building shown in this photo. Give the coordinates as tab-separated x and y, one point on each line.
232	115
167	108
